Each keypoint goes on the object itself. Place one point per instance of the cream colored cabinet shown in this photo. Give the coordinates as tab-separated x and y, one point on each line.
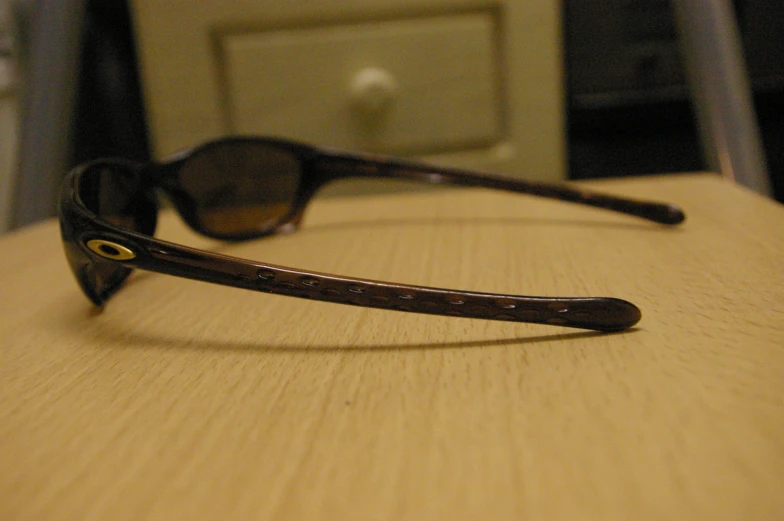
469	83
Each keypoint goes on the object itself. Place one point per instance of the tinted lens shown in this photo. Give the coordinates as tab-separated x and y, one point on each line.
113	193
241	187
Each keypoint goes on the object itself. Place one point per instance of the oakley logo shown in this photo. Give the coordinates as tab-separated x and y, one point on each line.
110	250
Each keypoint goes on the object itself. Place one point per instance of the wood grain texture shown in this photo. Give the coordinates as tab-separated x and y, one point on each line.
184	400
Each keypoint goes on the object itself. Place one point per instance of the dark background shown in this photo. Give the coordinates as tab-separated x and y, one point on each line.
628	106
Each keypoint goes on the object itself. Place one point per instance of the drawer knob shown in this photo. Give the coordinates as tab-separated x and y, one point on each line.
373	89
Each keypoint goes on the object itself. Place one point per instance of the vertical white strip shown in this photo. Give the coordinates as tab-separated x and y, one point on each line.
712	52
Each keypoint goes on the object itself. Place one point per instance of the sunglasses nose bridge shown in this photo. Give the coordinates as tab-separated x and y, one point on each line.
160	175
164	177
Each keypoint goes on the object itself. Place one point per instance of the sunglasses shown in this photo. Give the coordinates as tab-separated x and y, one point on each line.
243	188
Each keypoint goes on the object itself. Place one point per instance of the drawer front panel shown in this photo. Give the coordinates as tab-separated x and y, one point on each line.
410	86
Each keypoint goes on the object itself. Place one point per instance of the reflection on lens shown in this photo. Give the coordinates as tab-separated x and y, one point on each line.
241	187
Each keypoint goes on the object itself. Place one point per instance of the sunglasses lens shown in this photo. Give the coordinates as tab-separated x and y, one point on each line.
115	195
111	192
241	187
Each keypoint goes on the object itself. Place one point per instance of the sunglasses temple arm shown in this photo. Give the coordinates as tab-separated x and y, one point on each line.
368	165
594	313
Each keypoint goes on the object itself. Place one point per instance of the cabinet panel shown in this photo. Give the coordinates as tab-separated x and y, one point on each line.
407	86
470	83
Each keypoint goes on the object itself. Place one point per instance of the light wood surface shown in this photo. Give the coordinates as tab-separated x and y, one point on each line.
184	400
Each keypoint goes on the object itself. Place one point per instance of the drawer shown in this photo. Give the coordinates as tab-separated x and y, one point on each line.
424	85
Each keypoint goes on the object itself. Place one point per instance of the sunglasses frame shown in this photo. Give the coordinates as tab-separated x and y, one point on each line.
92	241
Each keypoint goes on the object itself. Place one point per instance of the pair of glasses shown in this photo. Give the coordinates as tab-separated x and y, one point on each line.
242	188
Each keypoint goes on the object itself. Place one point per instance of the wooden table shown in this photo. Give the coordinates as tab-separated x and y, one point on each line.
184	400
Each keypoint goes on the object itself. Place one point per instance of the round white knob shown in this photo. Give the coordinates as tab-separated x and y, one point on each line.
373	89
